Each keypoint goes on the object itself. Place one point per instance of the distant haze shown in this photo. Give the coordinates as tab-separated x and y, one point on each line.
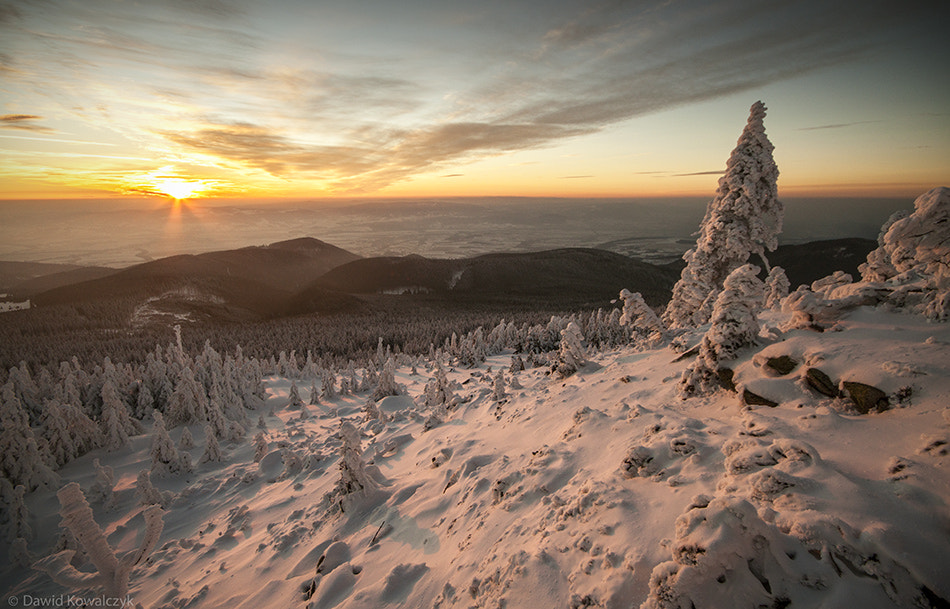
121	234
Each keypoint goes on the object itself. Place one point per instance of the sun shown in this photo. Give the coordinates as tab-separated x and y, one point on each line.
180	188
170	182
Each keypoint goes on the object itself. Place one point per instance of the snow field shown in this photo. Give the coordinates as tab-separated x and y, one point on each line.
603	488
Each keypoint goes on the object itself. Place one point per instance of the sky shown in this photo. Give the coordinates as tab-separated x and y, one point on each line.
240	99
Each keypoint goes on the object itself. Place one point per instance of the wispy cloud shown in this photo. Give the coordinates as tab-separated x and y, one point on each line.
26	122
838	125
718	172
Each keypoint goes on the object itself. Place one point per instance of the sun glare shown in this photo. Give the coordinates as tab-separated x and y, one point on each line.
179	188
168	182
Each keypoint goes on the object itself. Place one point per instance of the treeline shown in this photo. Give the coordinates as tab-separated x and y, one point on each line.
51	415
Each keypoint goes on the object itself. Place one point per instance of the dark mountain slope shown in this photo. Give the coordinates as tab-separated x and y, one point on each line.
567	277
246	283
29	286
806	262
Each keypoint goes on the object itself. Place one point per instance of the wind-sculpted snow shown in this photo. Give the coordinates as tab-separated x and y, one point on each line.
517	487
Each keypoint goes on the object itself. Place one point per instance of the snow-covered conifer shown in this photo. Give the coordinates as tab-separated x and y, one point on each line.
102	487
919	241
743	219
166	460
112	574
116	422
212	452
144	402
84	432
186	441
19	516
776	287
59	442
571	355
646	329
260	447
21	459
20	553
314	394
328	391
387	381
353	476
188	402
294	402
498	386
146	491
734	325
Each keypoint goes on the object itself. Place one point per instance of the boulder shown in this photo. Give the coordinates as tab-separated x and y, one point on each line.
726	378
821	382
781	365
754	399
865	397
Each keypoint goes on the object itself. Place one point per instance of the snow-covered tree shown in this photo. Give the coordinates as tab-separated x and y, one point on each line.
387	381
776	287
116	423
498	385
188	402
260	447
186	441
743	219
144	402
21	459
646	329
212	452
294	402
102	487
919	241
146	491
112	572
166	460
84	432
353	476
328	390
914	256
734	325
438	390
19	516
59	442
571	355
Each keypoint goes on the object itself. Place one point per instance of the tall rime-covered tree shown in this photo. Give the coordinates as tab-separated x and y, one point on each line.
743	219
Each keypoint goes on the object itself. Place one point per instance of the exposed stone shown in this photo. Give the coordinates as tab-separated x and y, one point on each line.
821	382
754	399
726	378
865	397
781	365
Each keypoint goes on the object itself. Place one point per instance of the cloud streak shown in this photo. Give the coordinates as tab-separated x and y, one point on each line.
26	122
838	125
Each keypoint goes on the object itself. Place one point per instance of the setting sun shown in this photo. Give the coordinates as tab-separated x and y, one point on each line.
179	188
168	182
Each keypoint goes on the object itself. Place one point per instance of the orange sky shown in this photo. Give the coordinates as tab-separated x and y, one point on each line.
556	98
